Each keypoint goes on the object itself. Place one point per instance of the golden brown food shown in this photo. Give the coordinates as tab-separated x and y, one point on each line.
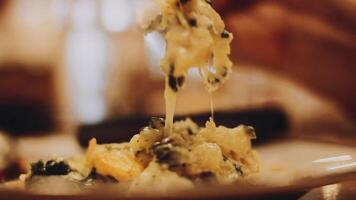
196	37
167	156
189	156
116	160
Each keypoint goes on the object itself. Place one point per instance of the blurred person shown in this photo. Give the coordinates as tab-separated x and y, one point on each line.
311	42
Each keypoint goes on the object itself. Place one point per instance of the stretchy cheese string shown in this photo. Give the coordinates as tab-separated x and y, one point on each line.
195	37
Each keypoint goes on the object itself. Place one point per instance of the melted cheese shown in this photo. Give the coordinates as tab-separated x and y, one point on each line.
170	99
179	155
195	37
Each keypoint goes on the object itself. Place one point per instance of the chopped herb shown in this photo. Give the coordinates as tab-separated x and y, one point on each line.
156	123
172	82
175	83
192	22
164	152
225	34
57	168
52	167
38	168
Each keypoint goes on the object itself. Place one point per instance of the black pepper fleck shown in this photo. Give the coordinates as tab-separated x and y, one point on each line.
225	34
190	131
238	169
192	22
225	158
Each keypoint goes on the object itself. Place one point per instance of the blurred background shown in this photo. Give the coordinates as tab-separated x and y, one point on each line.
65	64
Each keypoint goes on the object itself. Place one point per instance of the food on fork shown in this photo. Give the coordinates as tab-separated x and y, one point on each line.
167	156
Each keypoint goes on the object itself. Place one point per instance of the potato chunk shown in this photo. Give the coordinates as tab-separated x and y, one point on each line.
114	160
235	142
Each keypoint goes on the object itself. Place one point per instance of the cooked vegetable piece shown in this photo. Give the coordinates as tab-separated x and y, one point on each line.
51	167
114	160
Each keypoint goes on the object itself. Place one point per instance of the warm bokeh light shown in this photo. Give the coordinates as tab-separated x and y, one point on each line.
96	60
73	70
